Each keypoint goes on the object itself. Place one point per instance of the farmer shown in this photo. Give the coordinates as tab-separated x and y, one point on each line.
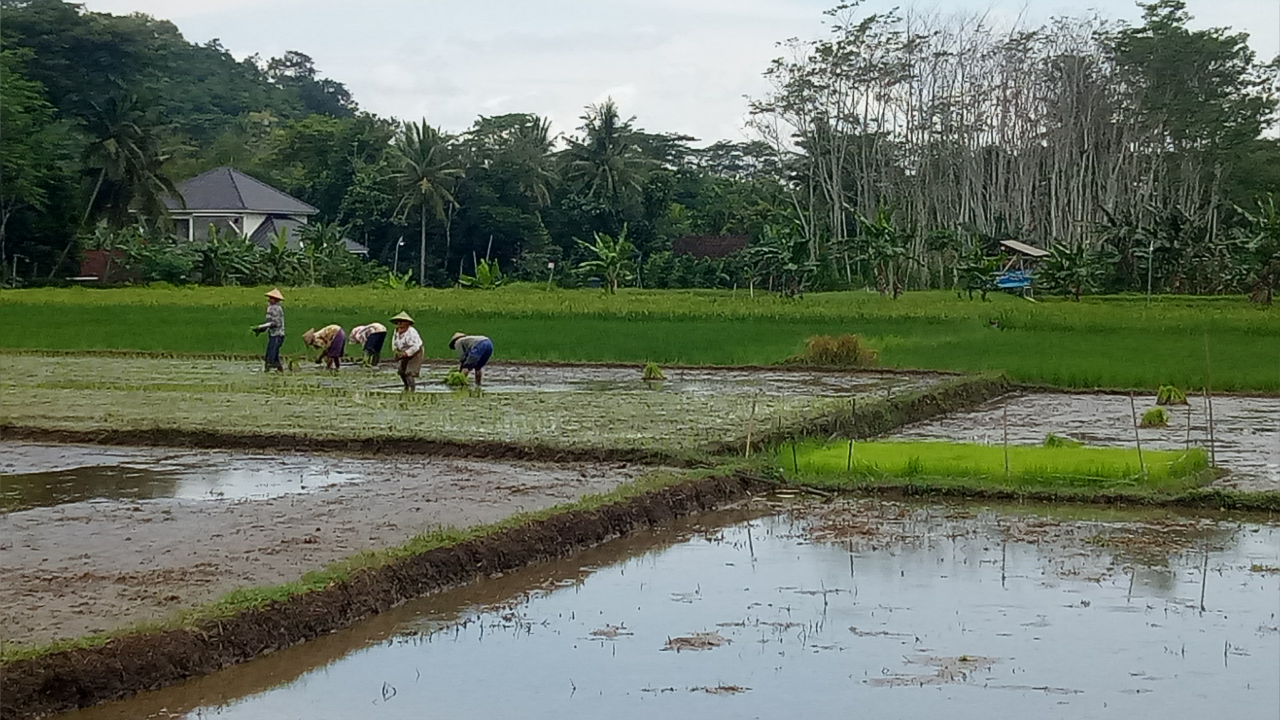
331	341
474	352
407	346
274	327
371	336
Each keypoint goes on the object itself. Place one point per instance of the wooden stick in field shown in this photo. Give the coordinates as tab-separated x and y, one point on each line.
1006	438
1208	400
853	413
1133	407
751	425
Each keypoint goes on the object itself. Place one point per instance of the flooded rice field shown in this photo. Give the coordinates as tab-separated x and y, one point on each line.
563	407
1246	430
125	535
48	474
773	610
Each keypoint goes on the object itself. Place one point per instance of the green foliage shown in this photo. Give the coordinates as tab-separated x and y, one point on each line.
392	281
1075	271
977	273
652	372
846	350
228	259
1170	395
1155	417
488	276
781	260
455	379
612	259
1057	441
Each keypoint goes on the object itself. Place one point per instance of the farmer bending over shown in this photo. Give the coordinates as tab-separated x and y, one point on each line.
407	346
331	341
274	327
474	352
371	336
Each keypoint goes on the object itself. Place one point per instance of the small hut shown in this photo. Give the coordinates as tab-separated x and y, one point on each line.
1018	271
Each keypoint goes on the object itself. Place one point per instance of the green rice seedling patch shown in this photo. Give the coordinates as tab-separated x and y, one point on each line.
831	464
1155	417
1170	395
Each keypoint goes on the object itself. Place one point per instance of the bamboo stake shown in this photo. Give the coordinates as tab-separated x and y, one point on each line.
1006	438
1133	407
1187	448
853	411
1208	399
751	425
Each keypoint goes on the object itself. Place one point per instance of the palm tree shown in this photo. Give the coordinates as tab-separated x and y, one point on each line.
612	258
606	163
124	160
426	174
124	163
531	154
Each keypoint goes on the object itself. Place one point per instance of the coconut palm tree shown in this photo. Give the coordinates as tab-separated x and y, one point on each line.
606	163
425	169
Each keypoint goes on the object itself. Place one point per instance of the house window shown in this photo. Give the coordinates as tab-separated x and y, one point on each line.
182	229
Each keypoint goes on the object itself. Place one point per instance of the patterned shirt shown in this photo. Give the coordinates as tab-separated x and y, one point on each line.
407	343
275	320
362	332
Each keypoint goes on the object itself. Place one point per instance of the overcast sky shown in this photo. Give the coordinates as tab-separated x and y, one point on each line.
679	65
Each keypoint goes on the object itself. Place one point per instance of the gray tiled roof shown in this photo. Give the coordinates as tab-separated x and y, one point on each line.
266	232
226	188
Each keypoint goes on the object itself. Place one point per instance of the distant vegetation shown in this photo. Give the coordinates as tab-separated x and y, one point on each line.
881	159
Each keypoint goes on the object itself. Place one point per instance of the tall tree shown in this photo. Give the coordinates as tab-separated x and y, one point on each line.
425	170
606	163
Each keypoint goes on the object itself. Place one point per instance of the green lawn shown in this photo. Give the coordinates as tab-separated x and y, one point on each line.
1117	342
1030	467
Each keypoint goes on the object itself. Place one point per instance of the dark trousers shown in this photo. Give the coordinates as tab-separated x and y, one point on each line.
373	347
272	358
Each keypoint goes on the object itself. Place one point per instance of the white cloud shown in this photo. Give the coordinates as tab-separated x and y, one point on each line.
679	65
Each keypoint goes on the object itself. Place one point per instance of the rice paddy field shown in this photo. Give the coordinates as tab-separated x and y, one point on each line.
1107	342
553	408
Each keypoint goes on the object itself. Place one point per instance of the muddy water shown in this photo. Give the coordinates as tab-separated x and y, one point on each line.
1246	430
611	379
854	608
45	475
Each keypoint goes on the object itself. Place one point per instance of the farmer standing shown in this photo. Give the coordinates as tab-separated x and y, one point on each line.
474	352
331	341
407	346
274	327
371	336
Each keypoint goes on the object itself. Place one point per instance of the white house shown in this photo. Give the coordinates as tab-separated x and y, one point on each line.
231	201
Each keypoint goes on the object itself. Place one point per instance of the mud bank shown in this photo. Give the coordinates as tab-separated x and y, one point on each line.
78	678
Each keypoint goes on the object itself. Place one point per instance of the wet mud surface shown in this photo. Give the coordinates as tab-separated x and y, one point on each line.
781	610
1246	430
74	568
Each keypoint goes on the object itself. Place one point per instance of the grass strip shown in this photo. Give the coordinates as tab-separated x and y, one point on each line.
835	465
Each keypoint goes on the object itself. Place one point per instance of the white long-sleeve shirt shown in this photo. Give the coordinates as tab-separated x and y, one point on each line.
406	343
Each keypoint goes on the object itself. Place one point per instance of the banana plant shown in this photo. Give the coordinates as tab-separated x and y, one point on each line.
612	259
488	276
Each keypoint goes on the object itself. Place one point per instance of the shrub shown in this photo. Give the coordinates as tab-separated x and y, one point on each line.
836	351
1156	417
1170	395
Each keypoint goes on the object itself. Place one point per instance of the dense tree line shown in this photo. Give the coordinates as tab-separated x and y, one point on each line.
893	154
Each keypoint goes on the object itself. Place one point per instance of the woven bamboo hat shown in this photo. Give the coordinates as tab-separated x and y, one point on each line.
275	294
309	336
402	317
456	336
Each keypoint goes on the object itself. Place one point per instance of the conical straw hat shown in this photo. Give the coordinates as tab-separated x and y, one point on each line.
275	293
402	316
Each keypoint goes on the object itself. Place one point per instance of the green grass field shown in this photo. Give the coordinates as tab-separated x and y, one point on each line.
1030	467
1113	342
